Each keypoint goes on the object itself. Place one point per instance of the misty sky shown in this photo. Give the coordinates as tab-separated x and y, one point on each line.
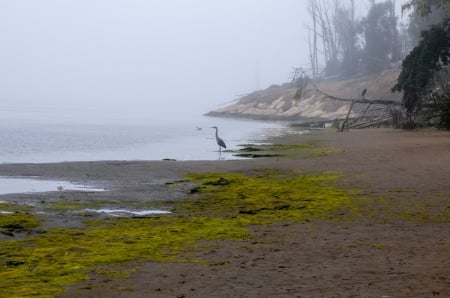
145	57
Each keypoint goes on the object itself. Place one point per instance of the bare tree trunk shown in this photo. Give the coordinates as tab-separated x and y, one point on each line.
332	33
315	56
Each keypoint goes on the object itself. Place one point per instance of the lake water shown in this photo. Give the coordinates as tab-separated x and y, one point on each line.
39	141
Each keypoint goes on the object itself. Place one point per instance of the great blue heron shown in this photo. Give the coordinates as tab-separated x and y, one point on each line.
363	93
219	141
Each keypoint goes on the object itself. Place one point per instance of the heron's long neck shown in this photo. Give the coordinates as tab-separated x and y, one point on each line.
217	132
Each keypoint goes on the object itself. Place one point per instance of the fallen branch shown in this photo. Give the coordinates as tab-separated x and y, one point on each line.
299	73
360	100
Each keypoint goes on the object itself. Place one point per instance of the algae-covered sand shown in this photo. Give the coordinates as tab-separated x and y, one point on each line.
363	213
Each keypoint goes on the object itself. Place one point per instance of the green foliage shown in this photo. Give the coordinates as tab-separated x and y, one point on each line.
442	104
420	66
425	7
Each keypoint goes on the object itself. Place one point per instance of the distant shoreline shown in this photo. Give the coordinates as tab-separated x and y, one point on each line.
256	117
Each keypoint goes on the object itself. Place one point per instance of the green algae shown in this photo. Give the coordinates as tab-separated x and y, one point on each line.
15	207
254	151
266	198
293	147
17	222
253	155
311	150
43	265
250	148
69	205
223	207
250	151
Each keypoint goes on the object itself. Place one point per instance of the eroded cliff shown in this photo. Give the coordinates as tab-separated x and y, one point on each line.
279	102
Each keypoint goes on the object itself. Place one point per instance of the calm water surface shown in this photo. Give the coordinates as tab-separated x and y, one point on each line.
30	185
38	142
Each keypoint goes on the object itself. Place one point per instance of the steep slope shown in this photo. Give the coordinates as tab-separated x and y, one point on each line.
277	102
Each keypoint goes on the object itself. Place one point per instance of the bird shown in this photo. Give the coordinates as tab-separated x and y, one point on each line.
363	93
219	141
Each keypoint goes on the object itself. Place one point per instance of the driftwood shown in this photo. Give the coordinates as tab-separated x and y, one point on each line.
345	123
371	123
392	109
364	100
302	77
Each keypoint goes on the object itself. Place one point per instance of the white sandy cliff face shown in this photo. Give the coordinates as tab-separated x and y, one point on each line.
278	103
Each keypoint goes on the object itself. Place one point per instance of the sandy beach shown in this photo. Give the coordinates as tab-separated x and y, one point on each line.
398	246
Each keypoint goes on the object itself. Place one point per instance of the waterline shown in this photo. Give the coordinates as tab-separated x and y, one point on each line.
43	143
10	185
127	213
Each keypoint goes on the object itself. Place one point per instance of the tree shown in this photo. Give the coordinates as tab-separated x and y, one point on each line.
420	67
425	7
346	28
333	34
424	82
322	15
382	45
418	23
313	49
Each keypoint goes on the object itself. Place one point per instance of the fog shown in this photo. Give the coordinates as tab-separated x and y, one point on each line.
143	60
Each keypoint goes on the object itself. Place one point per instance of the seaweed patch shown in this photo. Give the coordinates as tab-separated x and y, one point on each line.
222	207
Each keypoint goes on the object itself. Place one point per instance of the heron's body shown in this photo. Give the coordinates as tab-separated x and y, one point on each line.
363	93
219	141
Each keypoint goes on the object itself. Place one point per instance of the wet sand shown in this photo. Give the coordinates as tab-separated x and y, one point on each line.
368	256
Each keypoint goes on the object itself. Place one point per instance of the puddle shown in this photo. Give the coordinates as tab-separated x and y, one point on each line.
10	185
127	213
